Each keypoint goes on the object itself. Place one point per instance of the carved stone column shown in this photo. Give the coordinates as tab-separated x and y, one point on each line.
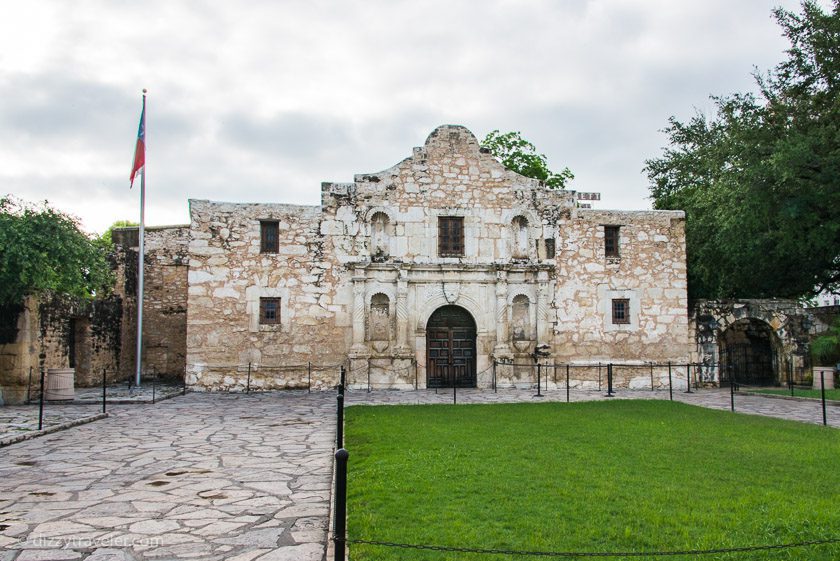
402	314
543	299
502	348
359	352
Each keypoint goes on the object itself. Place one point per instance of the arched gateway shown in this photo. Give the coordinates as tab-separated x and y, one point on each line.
450	348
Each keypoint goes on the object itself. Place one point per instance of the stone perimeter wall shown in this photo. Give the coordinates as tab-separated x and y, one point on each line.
359	277
60	332
165	264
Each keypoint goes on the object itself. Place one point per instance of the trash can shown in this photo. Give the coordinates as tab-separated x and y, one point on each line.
828	373
60	384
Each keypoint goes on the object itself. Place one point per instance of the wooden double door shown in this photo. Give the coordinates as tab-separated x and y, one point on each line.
450	349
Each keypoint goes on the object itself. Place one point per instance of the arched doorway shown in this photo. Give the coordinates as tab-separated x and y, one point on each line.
450	348
748	354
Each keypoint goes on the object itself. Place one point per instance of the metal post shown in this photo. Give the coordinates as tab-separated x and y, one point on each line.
731	393
539	380
651	377
248	382
790	378
567	383
309	376
41	405
822	393
610	380
494	375
688	378
599	375
670	383
339	426
368	369
343	376
154	383
340	522
416	383
104	389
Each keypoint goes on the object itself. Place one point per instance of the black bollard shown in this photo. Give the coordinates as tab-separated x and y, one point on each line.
567	383
610	380
670	383
104	389
154	383
494	375
248	382
340	522
41	405
688	378
539	380
339	426
732	393
342	376
309	377
822	392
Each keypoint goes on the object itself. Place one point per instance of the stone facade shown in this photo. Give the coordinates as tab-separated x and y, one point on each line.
56	332
165	265
770	338
357	279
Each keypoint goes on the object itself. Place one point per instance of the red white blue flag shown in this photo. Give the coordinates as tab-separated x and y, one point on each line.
140	150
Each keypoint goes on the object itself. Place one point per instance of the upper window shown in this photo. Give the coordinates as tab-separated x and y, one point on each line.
269	236
451	236
550	248
621	310
269	311
611	241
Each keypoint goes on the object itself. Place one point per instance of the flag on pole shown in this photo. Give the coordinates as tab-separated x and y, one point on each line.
140	150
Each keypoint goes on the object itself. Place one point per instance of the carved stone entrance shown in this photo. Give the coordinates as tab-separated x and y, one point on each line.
450	349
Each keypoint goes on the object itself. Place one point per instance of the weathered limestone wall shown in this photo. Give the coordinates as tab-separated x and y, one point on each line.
18	351
165	265
228	276
650	272
787	320
56	332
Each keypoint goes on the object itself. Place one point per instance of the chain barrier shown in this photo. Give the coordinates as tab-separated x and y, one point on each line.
573	554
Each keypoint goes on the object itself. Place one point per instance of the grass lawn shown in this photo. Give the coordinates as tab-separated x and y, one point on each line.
833	395
599	476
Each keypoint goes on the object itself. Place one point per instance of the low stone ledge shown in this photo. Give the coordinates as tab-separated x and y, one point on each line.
69	424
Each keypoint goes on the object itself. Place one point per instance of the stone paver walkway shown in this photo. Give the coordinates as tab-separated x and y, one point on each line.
204	476
18	420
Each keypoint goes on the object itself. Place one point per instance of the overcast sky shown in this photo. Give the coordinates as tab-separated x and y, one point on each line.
262	101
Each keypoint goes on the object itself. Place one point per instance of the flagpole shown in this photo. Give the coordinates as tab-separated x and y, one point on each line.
141	254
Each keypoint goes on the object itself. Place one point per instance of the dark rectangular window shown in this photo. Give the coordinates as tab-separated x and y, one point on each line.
451	236
550	248
621	310
611	241
269	311
269	236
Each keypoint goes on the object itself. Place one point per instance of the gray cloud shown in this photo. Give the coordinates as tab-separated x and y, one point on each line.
263	102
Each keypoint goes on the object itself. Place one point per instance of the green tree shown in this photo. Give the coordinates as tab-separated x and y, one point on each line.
760	179
106	235
42	249
519	155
